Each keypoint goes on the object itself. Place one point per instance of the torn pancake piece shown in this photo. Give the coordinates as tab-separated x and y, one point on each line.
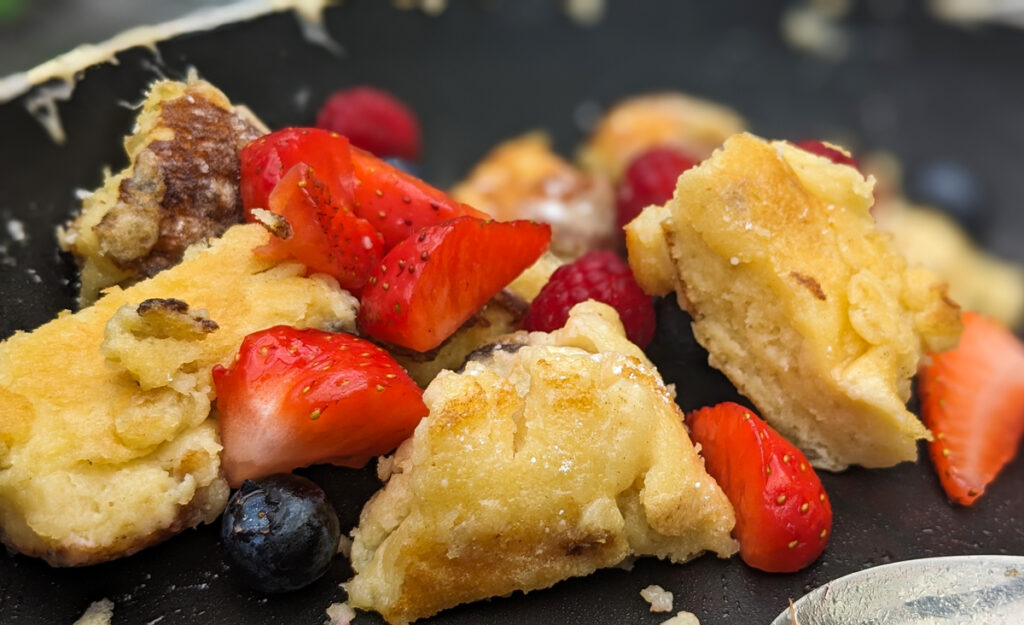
523	178
107	444
180	187
798	298
544	461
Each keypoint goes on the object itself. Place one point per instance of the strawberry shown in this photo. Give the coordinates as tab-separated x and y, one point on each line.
321	233
431	283
399	204
972	399
299	397
265	161
395	203
783	516
374	120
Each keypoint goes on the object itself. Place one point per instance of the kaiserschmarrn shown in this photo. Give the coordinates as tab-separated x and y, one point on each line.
107	444
798	298
180	187
549	457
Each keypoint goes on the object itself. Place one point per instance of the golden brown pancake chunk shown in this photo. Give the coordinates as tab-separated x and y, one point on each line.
106	440
536	464
798	298
524	179
669	119
180	187
978	281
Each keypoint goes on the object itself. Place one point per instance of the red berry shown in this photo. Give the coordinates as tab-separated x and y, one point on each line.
373	120
823	149
972	399
432	282
783	516
602	276
650	179
296	397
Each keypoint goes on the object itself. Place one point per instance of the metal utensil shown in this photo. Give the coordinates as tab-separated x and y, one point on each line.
957	589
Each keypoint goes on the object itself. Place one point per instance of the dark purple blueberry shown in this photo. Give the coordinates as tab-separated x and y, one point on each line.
279	533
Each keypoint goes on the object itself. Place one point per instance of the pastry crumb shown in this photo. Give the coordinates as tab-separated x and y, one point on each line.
682	618
340	614
659	598
98	613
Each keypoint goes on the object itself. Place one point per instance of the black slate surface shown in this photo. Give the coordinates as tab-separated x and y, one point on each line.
479	73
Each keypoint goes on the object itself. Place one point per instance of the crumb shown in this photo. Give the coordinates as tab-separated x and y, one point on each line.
659	598
585	12
16	229
340	614
815	28
385	467
682	618
345	546
98	613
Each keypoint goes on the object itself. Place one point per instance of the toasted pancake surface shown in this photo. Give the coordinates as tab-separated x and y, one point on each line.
180	187
798	298
541	462
978	281
667	119
106	440
523	178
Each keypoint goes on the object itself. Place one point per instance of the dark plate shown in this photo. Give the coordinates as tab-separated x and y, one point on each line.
480	73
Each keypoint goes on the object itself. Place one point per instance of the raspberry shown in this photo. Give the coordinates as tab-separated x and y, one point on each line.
823	149
600	275
373	120
650	179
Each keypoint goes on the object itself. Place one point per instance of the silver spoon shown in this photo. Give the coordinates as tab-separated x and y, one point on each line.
964	590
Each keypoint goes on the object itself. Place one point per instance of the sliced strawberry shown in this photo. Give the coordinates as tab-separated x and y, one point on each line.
266	160
972	399
431	283
300	397
398	204
783	516
321	233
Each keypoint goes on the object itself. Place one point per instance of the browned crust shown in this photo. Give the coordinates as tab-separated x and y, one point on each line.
810	283
188	184
204	506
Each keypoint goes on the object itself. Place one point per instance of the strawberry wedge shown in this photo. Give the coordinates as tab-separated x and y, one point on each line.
783	516
399	204
432	282
395	203
299	397
266	160
972	399
313	227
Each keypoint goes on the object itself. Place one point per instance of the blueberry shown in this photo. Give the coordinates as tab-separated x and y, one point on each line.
407	166
279	533
952	187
